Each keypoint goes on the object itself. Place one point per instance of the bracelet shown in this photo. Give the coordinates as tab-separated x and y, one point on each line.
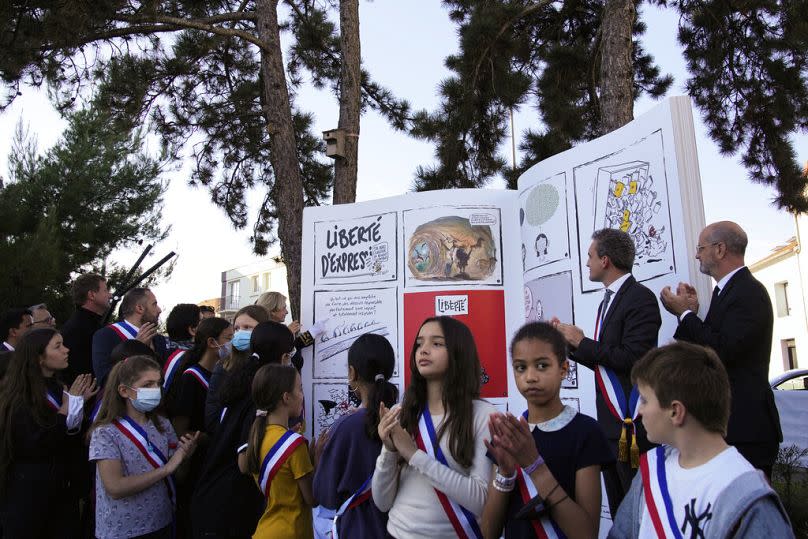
536	463
503	487
566	497
506	479
551	491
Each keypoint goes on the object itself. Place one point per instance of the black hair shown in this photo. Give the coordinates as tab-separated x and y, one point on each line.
129	348
374	361
268	387
12	318
269	342
542	331
181	317
617	245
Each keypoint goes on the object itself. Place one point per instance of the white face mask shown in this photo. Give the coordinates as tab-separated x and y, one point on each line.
148	398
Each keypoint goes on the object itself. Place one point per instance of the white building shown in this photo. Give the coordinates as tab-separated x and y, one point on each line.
784	274
242	285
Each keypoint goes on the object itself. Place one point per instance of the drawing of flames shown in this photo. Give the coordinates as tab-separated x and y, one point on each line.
633	206
451	248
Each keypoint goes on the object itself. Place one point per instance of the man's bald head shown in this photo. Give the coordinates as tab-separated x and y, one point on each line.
730	234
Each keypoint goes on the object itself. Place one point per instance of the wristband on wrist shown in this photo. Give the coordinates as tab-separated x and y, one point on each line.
535	465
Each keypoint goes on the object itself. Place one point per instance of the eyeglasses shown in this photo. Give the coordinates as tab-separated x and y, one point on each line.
700	248
49	320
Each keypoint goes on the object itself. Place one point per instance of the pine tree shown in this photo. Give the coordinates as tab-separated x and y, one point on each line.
93	192
210	78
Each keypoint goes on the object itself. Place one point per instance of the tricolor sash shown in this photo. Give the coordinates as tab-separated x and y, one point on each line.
277	455
54	400
124	330
625	412
357	498
544	527
171	367
199	374
96	406
150	452
463	521
655	491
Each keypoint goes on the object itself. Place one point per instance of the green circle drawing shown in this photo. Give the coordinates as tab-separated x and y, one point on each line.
541	204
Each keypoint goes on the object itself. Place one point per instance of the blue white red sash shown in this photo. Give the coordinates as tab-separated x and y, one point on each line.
124	330
357	498
544	527
97	406
54	400
612	391
463	521
656	494
171	367
199	374
277	455
150	452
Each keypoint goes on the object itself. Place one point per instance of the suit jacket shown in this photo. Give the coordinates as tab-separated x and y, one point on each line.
629	330
78	337
738	327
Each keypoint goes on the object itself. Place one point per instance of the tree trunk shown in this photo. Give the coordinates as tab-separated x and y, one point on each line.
288	189
616	66
345	168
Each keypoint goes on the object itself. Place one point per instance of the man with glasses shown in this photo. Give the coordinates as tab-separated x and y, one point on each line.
738	326
42	317
13	324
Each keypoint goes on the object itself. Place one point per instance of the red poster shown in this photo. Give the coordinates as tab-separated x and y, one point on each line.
483	311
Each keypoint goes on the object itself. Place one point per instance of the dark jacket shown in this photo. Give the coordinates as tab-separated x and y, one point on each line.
738	327
77	333
629	330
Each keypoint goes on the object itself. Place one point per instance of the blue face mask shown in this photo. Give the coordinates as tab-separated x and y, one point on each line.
148	398
224	349
241	339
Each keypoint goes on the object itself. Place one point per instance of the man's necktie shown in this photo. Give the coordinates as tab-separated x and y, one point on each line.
607	294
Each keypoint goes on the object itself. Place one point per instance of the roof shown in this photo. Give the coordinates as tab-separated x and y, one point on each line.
781	252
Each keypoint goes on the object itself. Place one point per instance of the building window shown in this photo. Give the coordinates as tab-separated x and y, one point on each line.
267	282
789	347
781	298
233	298
254	280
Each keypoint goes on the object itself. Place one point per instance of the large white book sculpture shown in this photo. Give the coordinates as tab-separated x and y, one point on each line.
497	258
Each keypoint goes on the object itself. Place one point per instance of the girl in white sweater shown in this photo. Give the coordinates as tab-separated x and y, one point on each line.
432	473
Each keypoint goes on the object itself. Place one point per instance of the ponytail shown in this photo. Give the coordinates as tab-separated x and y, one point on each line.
374	360
381	391
268	387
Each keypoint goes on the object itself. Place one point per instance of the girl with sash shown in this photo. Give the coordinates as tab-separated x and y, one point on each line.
37	415
136	454
277	457
185	401
226	503
432	473
342	479
550	458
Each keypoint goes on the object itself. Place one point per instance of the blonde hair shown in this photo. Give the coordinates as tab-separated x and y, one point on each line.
271	301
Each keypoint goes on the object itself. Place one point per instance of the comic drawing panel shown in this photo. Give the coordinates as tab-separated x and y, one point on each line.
453	245
332	400
551	296
362	249
628	190
544	222
574	402
349	314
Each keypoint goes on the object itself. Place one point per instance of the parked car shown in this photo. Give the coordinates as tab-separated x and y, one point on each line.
791	397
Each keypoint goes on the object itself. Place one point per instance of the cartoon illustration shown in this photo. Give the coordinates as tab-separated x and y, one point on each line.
452	249
543	219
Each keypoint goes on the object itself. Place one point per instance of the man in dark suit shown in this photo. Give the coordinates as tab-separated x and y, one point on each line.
627	326
91	298
738	326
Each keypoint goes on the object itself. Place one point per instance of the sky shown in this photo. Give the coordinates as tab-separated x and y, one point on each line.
404	45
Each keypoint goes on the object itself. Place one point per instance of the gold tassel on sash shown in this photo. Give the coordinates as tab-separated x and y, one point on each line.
626	432
622	445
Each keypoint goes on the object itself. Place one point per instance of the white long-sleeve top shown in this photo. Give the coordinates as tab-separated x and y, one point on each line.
407	490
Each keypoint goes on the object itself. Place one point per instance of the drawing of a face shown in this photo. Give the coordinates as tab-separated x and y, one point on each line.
541	245
431	356
539	310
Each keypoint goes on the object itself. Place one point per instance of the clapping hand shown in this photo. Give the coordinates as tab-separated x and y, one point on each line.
505	462
387	420
84	386
513	436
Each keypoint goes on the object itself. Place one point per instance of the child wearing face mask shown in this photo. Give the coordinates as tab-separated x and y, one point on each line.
136	453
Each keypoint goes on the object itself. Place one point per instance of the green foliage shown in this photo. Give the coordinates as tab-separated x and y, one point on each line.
790	480
748	66
515	53
93	192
